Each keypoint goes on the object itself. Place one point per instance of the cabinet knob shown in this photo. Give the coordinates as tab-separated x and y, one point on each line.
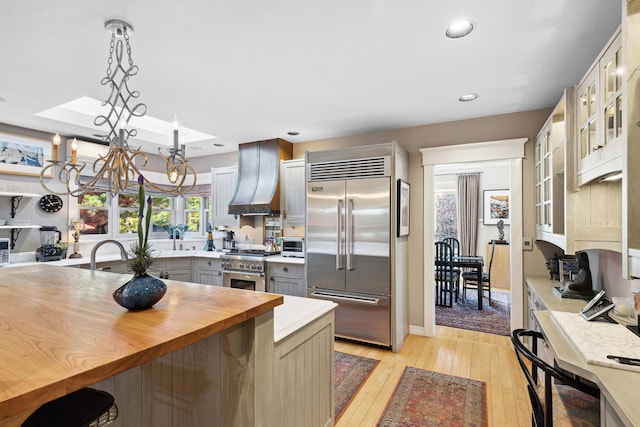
285	269
209	263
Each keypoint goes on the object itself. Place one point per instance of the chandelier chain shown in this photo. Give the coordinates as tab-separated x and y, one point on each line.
110	58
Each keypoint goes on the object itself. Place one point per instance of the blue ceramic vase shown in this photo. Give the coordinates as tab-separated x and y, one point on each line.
140	293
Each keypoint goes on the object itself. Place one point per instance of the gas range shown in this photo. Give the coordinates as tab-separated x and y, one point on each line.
245	260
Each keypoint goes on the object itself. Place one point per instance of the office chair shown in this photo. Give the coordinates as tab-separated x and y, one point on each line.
560	399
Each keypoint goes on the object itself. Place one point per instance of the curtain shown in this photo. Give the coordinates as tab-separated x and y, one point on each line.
468	202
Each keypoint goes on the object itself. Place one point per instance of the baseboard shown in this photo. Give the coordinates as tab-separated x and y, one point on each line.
416	330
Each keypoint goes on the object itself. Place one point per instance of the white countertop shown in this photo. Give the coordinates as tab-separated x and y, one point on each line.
295	313
29	258
596	339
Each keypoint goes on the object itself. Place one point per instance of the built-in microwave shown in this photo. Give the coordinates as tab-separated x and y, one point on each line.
293	247
5	251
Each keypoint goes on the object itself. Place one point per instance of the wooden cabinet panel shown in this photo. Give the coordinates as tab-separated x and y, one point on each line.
501	266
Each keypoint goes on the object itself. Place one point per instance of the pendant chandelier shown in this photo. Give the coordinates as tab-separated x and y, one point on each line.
116	171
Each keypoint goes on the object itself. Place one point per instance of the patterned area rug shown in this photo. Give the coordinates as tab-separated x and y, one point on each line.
494	318
430	399
350	372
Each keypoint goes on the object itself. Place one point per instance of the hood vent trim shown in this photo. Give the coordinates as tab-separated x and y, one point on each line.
258	187
350	169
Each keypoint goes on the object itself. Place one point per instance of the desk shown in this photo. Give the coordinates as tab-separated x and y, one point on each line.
618	387
475	262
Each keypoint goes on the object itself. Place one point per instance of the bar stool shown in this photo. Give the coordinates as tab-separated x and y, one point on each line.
86	407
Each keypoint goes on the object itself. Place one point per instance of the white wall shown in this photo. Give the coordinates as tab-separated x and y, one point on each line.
493	176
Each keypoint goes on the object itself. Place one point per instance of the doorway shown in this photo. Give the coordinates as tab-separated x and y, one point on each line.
511	151
458	214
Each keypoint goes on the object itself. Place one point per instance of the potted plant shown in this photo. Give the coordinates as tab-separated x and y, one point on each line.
143	290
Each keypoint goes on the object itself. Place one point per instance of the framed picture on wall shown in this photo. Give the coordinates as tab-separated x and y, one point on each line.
23	155
403	208
496	207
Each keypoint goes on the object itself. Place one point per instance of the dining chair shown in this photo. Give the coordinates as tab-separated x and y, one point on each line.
455	247
446	279
470	278
556	399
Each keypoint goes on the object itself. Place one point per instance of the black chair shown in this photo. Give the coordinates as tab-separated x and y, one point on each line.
455	247
446	278
558	397
86	407
470	278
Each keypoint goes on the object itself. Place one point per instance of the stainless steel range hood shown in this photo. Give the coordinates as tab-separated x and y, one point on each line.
258	188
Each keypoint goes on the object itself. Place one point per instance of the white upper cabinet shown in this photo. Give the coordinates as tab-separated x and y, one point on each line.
552	159
292	192
600	104
223	187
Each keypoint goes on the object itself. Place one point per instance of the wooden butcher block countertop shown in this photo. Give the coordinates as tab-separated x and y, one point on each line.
61	330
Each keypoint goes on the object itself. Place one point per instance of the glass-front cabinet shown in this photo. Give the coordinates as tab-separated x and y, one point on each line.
552	157
600	106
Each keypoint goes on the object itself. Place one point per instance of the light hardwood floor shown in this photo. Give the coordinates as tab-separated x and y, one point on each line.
458	352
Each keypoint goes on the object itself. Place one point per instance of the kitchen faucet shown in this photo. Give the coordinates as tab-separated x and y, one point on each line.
174	237
123	252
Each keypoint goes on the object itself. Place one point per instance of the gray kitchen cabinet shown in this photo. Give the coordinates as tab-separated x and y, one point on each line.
121	267
172	268
209	271
292	192
223	187
286	279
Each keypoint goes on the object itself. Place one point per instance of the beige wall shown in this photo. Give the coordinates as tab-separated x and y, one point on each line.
493	128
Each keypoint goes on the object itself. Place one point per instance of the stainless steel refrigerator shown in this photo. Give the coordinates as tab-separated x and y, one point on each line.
348	254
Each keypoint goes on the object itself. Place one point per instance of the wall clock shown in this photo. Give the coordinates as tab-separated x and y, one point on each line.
50	203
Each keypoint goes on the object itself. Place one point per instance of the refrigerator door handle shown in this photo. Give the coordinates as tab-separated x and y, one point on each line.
339	235
349	235
360	299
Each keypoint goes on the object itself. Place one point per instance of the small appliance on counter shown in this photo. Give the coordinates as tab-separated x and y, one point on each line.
50	236
5	251
293	247
229	242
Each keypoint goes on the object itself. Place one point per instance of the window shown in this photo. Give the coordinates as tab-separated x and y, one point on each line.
94	211
197	213
193	213
128	211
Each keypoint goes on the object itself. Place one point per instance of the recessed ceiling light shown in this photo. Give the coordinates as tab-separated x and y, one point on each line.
293	133
459	29
468	97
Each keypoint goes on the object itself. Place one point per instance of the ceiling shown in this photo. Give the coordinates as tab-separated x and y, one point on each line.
249	70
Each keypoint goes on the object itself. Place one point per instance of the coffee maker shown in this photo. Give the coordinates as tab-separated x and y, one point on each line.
50	236
229	242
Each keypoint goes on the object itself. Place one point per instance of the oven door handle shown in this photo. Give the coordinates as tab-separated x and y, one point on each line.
246	273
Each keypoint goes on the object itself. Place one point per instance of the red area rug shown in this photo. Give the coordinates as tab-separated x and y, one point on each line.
350	372
493	319
430	399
